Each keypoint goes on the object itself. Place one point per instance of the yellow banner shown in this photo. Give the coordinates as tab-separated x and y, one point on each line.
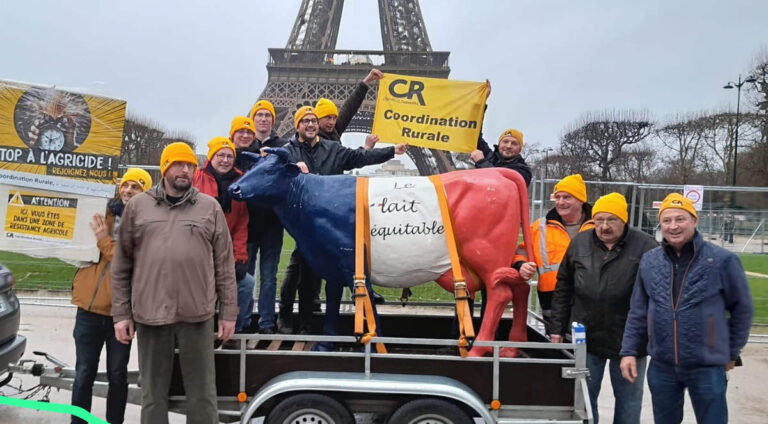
32	216
430	112
56	133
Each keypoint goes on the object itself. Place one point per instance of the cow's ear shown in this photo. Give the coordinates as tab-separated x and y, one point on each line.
293	169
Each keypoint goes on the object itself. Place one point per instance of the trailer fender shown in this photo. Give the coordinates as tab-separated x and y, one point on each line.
401	384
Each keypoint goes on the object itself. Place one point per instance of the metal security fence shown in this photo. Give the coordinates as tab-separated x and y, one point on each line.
733	217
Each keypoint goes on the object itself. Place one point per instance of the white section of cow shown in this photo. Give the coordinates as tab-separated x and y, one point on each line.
407	236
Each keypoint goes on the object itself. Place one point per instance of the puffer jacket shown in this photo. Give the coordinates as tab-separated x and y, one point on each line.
173	262
550	240
331	158
91	286
594	286
237	218
710	324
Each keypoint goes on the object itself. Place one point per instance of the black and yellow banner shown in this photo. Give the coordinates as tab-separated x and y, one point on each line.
430	112
33	216
55	133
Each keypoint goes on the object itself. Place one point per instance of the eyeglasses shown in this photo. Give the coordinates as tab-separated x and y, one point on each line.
606	221
307	121
224	156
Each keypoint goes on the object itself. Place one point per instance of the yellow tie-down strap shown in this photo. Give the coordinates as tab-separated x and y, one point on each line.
466	328
363	306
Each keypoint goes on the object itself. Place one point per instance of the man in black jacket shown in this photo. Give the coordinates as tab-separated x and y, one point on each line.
333	123
265	232
506	154
594	286
316	155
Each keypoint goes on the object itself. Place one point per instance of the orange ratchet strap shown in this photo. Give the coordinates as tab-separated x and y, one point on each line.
466	328
363	306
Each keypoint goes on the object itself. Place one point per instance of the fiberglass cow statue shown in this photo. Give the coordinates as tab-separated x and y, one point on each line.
488	208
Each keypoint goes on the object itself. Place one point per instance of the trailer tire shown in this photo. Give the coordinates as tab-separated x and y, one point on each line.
429	411
6	380
310	408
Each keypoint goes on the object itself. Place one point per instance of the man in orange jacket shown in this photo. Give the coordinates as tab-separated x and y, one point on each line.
91	293
551	236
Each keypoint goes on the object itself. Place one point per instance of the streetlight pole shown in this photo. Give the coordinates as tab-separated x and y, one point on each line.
546	162
738	85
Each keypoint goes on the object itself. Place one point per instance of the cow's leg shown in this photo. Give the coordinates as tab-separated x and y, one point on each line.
333	292
519	330
499	296
501	290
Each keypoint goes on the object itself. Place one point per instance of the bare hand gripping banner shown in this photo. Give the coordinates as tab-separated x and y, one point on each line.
430	112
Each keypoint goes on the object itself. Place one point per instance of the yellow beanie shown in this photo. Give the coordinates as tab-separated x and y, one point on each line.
176	152
513	133
573	185
241	123
218	143
301	113
263	104
139	176
613	203
325	107
678	201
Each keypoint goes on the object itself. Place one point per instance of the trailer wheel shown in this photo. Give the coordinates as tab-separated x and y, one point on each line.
310	408
429	411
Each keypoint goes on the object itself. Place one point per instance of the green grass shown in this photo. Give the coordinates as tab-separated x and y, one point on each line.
53	274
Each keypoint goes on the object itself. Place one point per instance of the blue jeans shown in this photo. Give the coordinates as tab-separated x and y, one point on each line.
92	331
706	387
244	302
629	396
268	247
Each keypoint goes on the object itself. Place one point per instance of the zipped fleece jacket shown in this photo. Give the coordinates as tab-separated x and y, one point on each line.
594	286
328	157
710	323
91	287
173	261
550	240
237	218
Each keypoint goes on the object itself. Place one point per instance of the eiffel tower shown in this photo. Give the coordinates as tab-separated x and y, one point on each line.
310	67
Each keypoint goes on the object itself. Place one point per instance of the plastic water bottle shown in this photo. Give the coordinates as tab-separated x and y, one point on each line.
578	333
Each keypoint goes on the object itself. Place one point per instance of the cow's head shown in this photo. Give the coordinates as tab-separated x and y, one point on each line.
267	182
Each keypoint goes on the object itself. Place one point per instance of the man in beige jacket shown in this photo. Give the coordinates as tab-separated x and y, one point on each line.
173	261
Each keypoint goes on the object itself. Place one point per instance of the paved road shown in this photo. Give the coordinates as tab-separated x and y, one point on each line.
50	329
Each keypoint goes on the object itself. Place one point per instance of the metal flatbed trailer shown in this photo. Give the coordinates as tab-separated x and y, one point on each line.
419	380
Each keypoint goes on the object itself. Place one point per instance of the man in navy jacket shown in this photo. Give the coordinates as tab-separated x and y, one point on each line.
692	308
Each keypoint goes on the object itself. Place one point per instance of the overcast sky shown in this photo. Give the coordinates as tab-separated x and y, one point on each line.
192	65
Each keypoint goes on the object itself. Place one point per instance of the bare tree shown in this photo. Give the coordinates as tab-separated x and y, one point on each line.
639	163
597	139
683	140
144	141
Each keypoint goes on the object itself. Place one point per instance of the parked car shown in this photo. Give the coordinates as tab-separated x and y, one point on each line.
12	345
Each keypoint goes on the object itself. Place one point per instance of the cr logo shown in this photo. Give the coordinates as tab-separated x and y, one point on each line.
414	89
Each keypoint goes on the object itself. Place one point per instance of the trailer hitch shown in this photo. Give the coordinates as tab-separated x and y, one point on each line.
573	373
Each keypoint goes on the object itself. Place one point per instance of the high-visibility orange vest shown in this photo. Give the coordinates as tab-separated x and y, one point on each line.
550	240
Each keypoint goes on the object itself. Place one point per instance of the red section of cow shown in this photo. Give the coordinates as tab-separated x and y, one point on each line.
489	207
